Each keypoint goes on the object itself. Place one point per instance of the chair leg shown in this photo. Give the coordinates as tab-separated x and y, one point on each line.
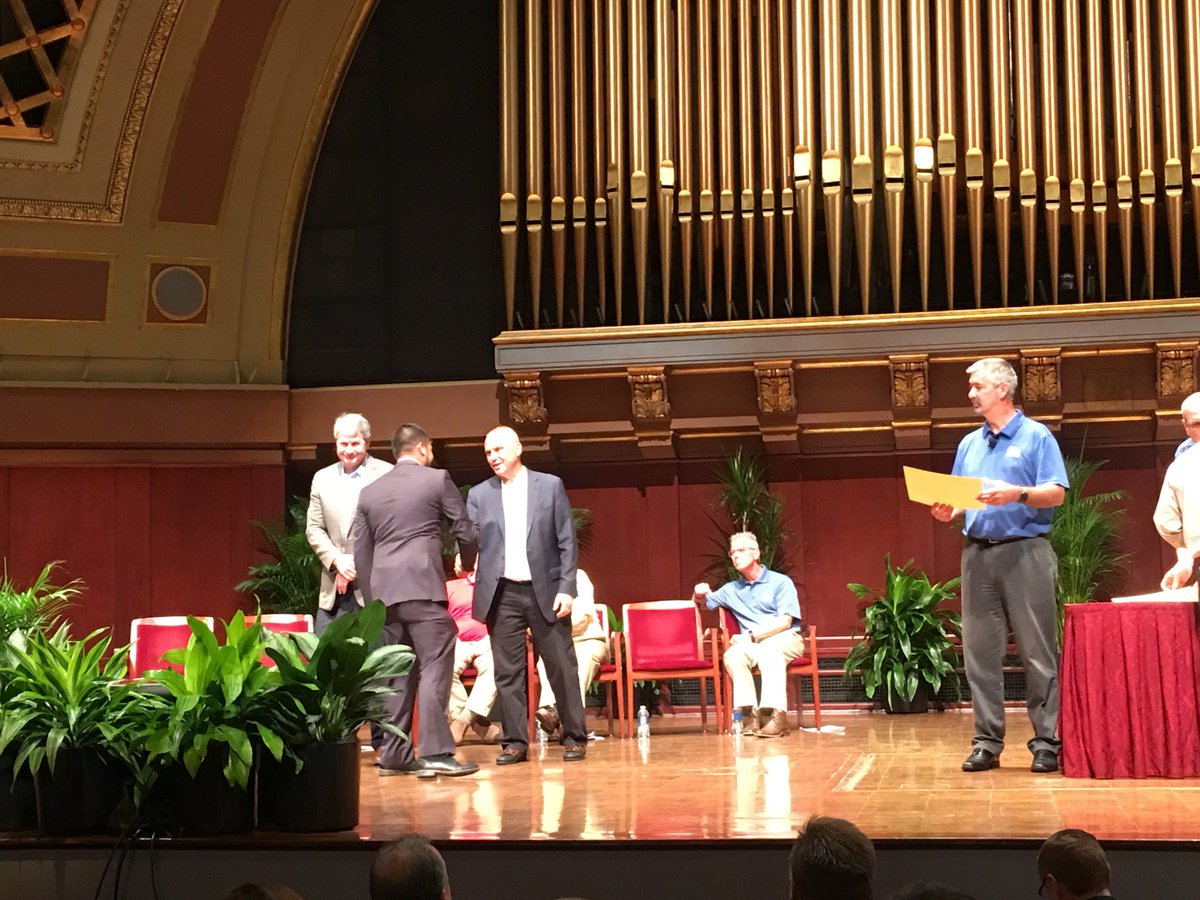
608	705
704	704
816	683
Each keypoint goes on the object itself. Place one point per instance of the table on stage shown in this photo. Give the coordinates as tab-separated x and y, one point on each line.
1130	691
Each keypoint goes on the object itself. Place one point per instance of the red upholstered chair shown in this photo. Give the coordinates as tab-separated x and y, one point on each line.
610	672
152	636
803	665
663	639
281	623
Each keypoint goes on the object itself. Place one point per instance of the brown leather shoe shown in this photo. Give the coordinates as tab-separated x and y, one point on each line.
775	723
574	752
749	719
547	719
511	755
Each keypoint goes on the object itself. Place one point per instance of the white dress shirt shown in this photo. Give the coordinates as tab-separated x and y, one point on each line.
514	497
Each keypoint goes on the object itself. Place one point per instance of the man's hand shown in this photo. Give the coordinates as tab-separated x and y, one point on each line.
700	591
1181	573
944	512
344	563
999	493
562	605
459	571
341	583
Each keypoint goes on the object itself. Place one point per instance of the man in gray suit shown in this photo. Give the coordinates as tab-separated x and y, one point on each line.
525	578
398	557
331	508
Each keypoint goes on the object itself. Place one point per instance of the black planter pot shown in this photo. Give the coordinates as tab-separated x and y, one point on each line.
18	803
206	804
322	796
81	796
918	704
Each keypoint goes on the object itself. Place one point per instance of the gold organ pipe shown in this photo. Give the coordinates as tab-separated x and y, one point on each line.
1143	109
725	124
998	35
1120	90
785	143
558	152
922	137
746	100
832	174
510	152
1191	28
862	138
947	131
704	119
1172	145
804	143
534	164
892	121
579	142
767	148
664	128
973	136
600	154
615	71
684	175
1026	142
639	151
1096	135
1073	88
1052	187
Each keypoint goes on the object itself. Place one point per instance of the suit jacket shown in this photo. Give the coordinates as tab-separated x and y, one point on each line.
331	507
398	534
549	541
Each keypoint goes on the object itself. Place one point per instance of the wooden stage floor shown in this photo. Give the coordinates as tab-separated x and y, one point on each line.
897	777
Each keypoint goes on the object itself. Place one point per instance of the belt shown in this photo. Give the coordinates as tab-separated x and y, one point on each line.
514	581
987	542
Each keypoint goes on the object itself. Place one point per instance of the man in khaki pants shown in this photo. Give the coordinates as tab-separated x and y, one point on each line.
765	605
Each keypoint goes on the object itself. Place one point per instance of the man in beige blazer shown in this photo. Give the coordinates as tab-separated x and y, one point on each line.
331	508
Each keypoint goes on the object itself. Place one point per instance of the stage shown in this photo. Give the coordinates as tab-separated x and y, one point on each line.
685	814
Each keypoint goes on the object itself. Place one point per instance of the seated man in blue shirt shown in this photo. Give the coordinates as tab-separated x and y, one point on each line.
767	610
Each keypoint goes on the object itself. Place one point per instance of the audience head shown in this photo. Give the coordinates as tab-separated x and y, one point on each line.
252	891
929	890
1072	866
832	860
409	869
351	438
411	440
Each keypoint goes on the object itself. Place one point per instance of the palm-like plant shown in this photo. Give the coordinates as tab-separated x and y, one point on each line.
38	607
747	501
291	581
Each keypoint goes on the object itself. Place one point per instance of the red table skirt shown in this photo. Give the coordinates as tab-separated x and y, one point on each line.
1130	691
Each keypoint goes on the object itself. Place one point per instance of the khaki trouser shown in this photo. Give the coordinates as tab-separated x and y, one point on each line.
483	692
590	653
771	656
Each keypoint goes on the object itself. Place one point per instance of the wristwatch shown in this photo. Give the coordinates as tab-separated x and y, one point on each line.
1024	495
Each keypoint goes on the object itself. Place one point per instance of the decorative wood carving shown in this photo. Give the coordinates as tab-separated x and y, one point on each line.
910	381
1176	369
776	387
648	394
526	405
1040	375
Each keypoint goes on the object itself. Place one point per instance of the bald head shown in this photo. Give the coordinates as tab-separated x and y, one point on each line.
502	447
409	869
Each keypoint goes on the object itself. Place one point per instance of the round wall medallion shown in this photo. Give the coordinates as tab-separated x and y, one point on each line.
179	293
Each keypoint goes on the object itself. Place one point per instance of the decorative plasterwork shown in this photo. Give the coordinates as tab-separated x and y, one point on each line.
1040	375
776	387
910	381
526	405
1176	368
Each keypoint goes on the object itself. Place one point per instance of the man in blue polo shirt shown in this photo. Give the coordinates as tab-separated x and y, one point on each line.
767	611
1008	566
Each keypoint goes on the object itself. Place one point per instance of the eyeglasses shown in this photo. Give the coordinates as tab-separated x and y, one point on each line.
737	550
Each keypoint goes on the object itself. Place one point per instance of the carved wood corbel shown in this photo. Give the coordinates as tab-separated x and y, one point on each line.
911	422
777	405
651	411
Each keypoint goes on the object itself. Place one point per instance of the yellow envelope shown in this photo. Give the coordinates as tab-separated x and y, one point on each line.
934	487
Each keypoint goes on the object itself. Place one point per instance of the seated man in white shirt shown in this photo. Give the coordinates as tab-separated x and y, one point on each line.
591	651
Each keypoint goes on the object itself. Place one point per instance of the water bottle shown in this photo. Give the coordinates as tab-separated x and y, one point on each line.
643	729
736	728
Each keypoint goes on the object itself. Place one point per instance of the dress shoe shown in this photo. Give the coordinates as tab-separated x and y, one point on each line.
446	765
574	752
749	719
774	723
547	719
412	767
981	760
1044	761
511	755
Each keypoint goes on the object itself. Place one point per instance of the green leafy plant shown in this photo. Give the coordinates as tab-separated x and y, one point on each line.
291	581
1084	536
225	696
747	501
339	681
908	634
38	607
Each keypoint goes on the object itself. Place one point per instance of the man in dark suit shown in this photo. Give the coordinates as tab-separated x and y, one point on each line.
398	558
525	578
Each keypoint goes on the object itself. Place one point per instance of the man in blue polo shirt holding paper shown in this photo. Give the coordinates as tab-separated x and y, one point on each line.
1008	566
767	610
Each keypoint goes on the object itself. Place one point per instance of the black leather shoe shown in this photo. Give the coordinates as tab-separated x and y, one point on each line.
412	767
574	752
446	765
511	755
1044	761
981	760
547	719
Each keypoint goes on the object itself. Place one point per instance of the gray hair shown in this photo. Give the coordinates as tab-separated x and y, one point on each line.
996	370
352	423
745	536
1190	405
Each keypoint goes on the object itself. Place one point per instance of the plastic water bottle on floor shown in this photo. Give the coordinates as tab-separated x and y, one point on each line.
643	729
736	727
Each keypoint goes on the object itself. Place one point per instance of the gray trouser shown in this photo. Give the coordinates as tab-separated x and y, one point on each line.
1011	585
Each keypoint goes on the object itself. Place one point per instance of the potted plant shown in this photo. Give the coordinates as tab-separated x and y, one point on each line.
291	581
341	682
908	643
224	708
749	505
74	723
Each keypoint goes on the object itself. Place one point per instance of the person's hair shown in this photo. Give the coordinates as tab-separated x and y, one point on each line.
351	423
253	891
1076	860
996	370
408	869
929	890
832	860
1191	403
407	437
743	536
